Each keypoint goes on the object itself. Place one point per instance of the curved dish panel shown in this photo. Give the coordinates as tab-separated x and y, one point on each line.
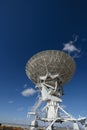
52	62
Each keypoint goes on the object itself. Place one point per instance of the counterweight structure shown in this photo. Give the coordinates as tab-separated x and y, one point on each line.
50	70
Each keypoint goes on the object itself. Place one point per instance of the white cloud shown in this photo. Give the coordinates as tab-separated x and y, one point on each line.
28	92
71	48
10	102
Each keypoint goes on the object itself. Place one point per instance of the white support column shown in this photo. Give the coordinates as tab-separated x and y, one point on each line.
75	126
34	125
52	110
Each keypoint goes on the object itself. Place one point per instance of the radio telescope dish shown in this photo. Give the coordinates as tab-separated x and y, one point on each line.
50	70
51	63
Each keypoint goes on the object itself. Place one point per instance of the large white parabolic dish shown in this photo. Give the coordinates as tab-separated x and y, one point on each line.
53	62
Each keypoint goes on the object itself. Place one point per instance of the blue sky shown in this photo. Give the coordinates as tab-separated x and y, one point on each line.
31	26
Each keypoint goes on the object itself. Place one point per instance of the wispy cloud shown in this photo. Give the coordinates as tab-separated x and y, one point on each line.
84	40
28	92
10	102
17	90
20	109
19	120
25	85
63	106
71	48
